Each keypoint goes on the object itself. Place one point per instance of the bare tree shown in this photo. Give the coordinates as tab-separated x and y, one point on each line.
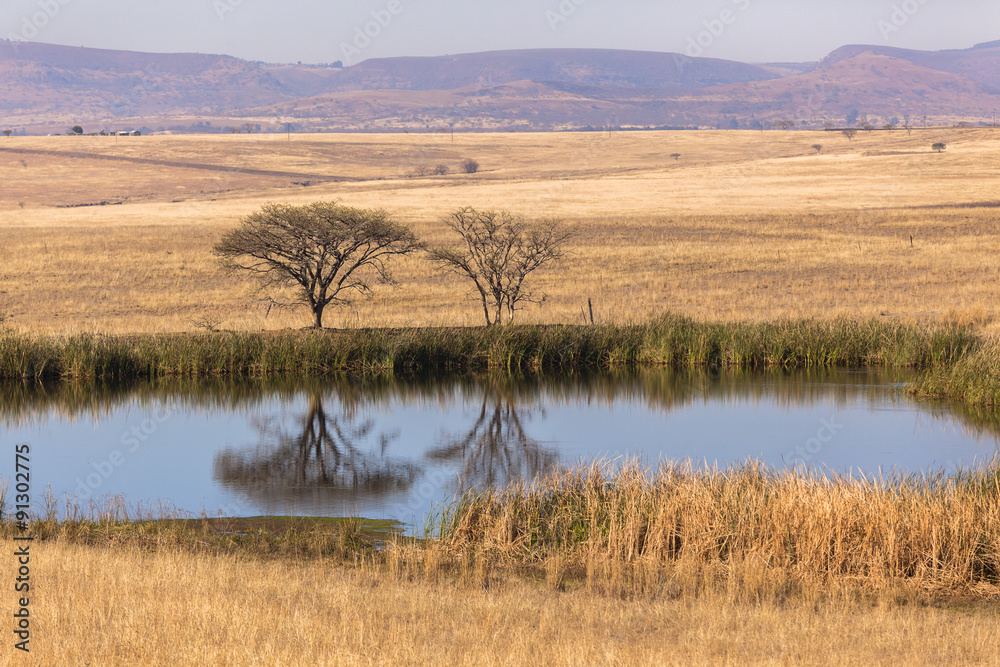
324	249
470	166
498	251
850	133
784	124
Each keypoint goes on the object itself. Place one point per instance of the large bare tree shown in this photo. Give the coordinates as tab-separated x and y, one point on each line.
325	250
497	252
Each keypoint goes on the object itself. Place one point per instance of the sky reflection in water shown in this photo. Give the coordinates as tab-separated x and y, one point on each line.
390	448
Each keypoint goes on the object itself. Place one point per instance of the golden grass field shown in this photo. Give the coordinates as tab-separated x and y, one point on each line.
744	225
173	608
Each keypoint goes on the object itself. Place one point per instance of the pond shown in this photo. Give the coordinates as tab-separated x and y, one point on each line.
393	448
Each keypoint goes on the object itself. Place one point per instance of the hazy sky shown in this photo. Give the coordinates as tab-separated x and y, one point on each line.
319	30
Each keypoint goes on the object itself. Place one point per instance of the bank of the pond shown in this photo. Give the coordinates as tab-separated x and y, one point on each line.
628	530
671	341
973	379
935	532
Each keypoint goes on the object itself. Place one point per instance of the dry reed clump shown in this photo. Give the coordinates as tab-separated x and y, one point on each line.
752	527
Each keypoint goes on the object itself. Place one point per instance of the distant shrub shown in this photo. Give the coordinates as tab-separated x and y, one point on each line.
470	166
939	147
442	170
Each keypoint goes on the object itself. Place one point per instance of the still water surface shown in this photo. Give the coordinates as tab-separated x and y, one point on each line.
394	448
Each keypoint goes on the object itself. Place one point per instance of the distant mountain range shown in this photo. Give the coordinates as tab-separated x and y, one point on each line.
47	88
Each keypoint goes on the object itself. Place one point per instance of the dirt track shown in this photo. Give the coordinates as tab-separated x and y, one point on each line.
180	165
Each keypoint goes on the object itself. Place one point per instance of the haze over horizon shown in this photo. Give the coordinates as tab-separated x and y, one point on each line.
319	31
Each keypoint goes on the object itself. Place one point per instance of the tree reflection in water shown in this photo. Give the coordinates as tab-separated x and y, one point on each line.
496	450
323	459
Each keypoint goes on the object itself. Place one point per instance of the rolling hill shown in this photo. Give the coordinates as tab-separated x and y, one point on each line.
45	88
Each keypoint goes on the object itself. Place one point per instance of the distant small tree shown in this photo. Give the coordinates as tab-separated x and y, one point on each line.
324	250
233	129
850	134
497	252
889	126
442	170
939	147
784	124
470	166
7	133
818	148
250	127
675	156
76	129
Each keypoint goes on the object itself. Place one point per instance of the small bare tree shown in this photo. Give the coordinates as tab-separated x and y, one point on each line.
324	249
850	134
498	251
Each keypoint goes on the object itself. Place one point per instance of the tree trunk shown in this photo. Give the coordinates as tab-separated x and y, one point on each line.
486	312
318	317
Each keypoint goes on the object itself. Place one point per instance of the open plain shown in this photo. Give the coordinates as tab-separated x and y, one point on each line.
761	231
114	235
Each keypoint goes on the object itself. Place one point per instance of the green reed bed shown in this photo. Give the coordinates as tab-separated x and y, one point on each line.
671	341
974	379
939	533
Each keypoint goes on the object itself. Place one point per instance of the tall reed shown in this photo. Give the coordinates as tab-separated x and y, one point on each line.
669	340
939	532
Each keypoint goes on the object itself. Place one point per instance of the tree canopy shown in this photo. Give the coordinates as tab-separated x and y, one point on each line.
497	252
325	250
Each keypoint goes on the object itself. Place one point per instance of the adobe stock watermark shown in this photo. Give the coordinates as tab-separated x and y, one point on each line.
901	14
223	7
33	23
130	441
363	35
423	496
807	452
561	14
125	106
715	28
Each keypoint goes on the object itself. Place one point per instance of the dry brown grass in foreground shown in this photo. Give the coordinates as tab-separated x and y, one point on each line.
125	606
745	225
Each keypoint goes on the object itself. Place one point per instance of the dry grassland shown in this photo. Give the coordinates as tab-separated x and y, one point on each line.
745	225
172	608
